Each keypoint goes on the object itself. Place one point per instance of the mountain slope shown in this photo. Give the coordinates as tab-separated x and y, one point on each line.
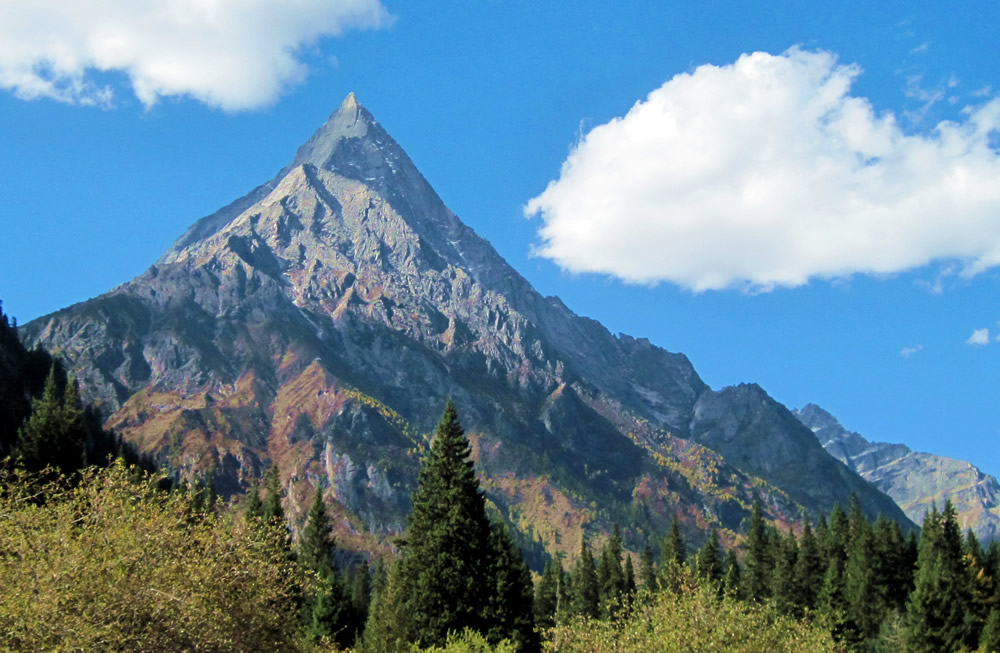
322	321
916	481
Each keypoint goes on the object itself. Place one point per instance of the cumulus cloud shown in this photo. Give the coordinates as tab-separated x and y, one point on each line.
228	54
906	352
768	172
979	338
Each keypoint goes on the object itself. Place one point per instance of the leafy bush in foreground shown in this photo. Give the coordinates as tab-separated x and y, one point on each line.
114	564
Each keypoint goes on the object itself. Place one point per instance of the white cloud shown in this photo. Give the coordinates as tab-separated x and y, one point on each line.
906	352
227	53
979	338
765	173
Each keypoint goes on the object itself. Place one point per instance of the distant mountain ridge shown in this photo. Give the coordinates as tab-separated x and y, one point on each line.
321	321
915	480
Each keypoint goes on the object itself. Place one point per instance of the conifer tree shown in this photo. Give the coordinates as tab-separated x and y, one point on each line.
254	508
509	610
647	571
863	597
732	577
360	594
708	564
989	638
611	576
837	534
809	570
547	594
271	509
52	434
832	603
630	586
936	608
758	561
785	554
672	557
585	594
327	612
454	565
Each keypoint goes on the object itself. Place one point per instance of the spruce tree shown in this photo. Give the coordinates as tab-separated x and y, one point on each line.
758	561
672	558
52	435
327	611
733	576
254	508
509	611
647	570
272	511
453	565
547	594
809	570
989	638
864	598
936	608
708	564
585	594
785	553
611	576
630	586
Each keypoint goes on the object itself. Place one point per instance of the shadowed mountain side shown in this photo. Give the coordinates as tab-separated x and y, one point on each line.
323	322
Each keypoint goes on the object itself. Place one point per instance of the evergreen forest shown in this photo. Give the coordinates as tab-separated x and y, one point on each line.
102	551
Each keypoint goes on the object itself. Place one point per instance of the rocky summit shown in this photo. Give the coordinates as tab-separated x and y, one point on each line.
916	481
321	322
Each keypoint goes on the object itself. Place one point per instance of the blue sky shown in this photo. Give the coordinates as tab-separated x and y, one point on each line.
845	258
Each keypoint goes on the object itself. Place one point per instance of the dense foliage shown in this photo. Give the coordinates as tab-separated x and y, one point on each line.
116	564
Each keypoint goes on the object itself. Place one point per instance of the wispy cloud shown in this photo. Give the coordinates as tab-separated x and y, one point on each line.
906	352
979	338
768	172
232	55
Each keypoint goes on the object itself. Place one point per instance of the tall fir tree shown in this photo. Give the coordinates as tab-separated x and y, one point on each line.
809	570
584	593
864	597
272	511
547	594
936	608
989	638
785	553
647	570
509	611
708	563
611	576
732	578
254	507
52	435
673	556
453	566
758	561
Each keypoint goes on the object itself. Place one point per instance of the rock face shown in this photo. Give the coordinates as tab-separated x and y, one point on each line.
916	481
322	321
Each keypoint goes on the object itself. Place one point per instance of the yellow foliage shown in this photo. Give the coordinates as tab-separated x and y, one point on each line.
114	564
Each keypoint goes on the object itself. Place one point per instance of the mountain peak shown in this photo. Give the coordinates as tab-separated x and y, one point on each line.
349	121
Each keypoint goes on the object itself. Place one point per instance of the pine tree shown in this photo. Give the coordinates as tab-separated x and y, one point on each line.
708	563
453	565
547	594
937	607
758	561
630	586
509	611
833	604
272	510
314	543
672	558
733	577
866	606
611	576
809	570
647	571
52	435
360	595
585	594
989	638
327	611
254	508
785	553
